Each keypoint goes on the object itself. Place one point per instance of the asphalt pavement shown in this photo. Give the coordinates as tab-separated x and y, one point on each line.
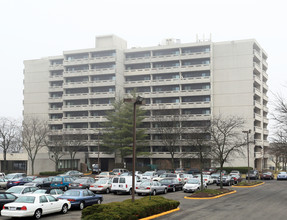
265	202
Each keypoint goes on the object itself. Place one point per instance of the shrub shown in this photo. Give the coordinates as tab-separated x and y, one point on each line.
127	210
49	173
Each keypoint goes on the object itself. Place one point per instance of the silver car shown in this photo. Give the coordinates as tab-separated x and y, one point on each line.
3	183
151	187
102	185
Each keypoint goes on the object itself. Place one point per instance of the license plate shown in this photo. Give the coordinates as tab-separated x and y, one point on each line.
12	208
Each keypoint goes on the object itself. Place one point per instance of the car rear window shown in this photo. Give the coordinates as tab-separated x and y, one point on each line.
122	180
25	199
115	180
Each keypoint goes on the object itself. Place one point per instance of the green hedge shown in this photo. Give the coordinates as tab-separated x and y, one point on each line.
127	210
242	170
49	173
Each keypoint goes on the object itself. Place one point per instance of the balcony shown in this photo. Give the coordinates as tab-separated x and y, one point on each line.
257	129
104	59
84	119
265	132
257	104
102	71
257	54
76	61
55	99
137	71
266	143
257	67
258	155
265	75
55	121
55	110
56	78
257	92
265	97
265	109
55	88
195	55
76	73
257	79
265	120
265	64
257	117
87	107
56	67
136	60
258	142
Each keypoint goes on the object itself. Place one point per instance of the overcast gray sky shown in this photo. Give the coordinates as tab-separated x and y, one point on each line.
31	29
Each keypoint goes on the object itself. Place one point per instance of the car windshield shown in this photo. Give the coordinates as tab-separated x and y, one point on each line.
25	199
15	190
282	173
166	181
72	193
146	183
40	191
80	181
38	180
193	181
57	179
102	181
148	174
9	176
104	173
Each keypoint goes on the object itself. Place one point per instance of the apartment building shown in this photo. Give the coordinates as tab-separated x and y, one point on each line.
197	80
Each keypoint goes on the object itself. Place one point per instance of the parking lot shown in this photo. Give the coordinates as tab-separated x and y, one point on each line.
267	201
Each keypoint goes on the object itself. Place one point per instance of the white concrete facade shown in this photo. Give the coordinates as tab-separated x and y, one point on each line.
200	79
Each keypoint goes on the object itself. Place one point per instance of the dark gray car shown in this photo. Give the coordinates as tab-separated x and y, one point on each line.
82	183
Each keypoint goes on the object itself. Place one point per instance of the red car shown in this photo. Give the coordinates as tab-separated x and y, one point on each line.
267	176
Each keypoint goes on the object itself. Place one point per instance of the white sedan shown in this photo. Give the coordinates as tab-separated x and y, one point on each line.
35	205
193	184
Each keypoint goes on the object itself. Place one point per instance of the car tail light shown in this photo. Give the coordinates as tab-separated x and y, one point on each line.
71	200
17	182
91	186
205	179
100	186
61	182
168	185
126	185
69	184
136	187
80	184
179	179
3	207
148	188
24	208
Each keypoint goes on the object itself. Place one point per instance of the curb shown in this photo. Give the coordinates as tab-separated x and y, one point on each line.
161	214
249	186
215	197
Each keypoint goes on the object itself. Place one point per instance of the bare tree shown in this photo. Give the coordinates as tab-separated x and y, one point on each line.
199	140
55	147
8	137
74	143
167	125
278	148
225	139
34	137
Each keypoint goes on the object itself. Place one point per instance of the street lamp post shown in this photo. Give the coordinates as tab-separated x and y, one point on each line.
247	133
99	151
137	101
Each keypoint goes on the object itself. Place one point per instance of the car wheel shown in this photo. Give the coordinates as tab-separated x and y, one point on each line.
130	192
154	193
108	191
64	209
39	186
139	194
38	214
173	189
82	205
65	188
165	191
99	201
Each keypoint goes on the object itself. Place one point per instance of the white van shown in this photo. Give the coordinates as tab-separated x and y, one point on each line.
123	184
